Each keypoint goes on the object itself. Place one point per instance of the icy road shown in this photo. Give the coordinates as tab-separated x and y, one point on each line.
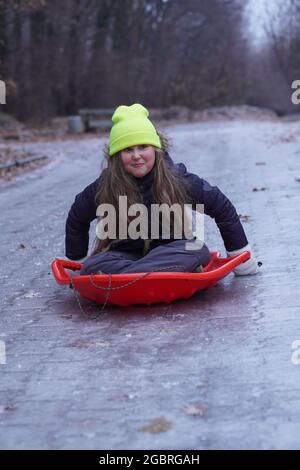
218	371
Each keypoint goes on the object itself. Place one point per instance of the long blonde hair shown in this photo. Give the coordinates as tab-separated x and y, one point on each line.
168	186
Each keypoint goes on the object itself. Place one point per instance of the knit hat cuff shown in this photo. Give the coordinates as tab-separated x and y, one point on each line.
134	138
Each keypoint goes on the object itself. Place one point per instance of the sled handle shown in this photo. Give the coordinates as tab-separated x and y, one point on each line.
58	269
239	259
236	260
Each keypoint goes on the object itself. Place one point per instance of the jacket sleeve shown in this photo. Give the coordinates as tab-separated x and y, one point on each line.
81	214
220	208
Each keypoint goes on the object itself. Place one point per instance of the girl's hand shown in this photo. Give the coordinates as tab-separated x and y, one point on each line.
249	267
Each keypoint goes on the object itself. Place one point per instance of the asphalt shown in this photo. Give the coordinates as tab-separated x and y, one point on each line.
217	371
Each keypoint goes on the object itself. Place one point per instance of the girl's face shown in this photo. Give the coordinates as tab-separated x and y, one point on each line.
138	160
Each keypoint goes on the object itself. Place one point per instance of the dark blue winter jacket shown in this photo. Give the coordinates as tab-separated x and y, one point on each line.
216	205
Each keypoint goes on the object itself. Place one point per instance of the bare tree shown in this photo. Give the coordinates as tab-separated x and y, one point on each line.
274	67
66	55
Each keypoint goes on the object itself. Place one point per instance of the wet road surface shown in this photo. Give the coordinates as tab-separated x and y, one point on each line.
218	370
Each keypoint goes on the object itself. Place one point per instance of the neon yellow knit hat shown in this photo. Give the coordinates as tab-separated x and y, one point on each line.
131	127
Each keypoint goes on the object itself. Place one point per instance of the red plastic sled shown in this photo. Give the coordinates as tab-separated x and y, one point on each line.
144	288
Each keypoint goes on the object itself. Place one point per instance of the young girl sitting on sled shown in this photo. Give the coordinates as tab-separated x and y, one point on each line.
140	168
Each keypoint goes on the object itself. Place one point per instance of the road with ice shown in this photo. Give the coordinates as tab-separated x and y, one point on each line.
218	370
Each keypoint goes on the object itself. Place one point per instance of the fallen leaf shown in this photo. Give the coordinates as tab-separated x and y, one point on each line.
244	218
121	397
10	407
297	179
260	163
157	425
287	138
30	295
21	246
259	189
195	410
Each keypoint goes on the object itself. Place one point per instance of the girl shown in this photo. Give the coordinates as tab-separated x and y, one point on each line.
140	168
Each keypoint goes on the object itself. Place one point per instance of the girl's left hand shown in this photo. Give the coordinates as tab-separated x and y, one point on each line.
249	267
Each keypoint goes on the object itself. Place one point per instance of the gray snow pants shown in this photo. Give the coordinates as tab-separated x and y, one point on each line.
171	256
